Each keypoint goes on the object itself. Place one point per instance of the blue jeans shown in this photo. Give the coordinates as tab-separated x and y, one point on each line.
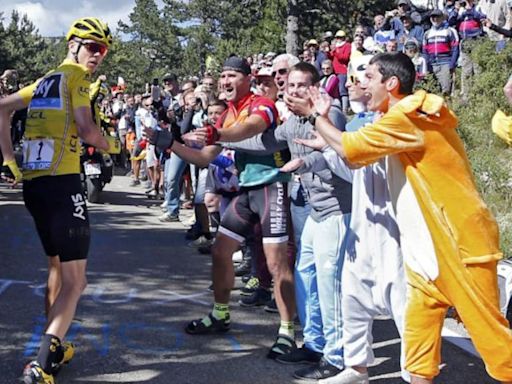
318	270
174	167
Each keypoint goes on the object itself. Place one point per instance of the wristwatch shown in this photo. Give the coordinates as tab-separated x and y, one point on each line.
312	118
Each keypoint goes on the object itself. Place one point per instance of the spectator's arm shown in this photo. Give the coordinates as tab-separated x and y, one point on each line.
238	132
186	124
455	49
266	143
501	31
200	157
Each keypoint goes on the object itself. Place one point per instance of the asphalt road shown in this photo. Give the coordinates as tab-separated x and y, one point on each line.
145	283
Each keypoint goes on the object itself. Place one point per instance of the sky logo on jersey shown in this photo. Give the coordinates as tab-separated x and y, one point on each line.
48	93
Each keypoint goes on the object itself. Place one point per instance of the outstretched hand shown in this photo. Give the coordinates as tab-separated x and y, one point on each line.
317	142
194	138
321	100
292	165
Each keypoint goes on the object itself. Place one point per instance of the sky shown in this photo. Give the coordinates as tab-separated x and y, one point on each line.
53	17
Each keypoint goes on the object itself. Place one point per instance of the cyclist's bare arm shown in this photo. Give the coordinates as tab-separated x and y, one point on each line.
88	130
8	105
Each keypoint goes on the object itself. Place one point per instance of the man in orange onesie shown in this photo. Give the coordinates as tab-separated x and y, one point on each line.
448	236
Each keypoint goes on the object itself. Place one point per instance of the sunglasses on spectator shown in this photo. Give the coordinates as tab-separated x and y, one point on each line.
94	47
282	71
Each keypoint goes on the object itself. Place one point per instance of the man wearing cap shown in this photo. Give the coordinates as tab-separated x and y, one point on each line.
318	56
262	198
410	31
441	50
340	59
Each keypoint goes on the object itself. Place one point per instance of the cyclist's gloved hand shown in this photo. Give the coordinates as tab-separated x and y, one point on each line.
11	172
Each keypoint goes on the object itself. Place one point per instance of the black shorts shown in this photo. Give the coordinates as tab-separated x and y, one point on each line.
57	204
267	204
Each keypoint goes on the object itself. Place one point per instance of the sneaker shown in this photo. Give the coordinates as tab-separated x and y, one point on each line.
252	285
69	351
347	376
34	374
302	355
271	306
243	268
321	370
257	299
210	287
213	325
164	205
168	218
283	345
134	183
200	242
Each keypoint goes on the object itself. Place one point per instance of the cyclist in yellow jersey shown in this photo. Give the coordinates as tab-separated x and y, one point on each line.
59	115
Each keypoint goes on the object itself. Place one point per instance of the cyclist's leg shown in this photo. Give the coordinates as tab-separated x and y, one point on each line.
223	274
54	282
271	204
63	309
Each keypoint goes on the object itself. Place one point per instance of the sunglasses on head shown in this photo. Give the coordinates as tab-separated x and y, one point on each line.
95	47
282	71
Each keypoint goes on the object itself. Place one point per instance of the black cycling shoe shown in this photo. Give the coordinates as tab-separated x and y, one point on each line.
302	355
283	345
261	297
198	327
319	371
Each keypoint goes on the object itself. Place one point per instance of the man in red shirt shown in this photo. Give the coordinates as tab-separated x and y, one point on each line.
340	59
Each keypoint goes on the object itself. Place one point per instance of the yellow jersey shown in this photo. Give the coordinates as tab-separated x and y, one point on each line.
51	145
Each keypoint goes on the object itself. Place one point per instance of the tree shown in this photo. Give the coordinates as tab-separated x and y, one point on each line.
25	48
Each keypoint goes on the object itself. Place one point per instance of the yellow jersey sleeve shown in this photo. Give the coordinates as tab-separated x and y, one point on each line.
79	89
27	92
394	133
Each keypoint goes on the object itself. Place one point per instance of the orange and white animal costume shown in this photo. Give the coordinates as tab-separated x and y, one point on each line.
448	236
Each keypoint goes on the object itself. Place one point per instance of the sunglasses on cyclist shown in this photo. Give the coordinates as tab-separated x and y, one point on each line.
282	71
94	48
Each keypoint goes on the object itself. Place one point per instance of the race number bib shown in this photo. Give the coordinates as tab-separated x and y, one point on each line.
38	154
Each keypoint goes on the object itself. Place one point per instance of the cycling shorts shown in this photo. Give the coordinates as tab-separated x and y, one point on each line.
57	205
266	204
